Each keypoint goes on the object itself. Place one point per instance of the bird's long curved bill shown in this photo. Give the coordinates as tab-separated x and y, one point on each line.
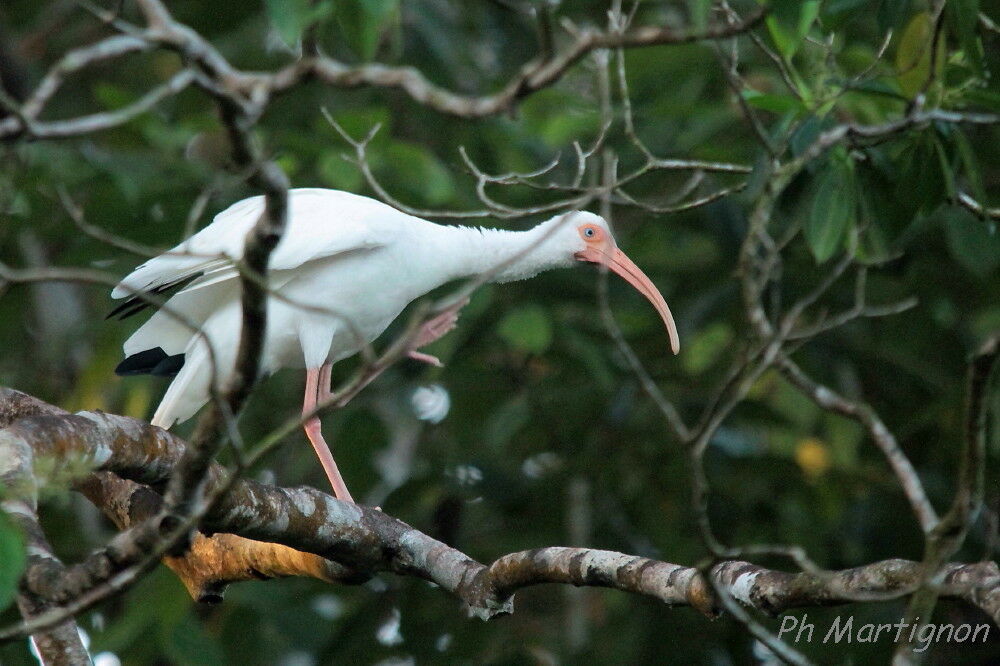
620	264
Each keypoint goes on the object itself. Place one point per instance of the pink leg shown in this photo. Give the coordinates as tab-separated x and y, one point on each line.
318	391
323	391
317	384
433	330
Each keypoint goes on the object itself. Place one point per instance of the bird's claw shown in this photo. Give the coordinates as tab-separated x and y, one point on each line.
437	328
425	358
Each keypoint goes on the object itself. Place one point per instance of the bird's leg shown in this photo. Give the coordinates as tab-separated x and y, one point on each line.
435	329
317	384
318	390
323	392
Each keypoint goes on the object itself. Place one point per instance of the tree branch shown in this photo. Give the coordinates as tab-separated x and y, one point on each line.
60	644
252	90
950	532
212	562
830	400
534	76
367	540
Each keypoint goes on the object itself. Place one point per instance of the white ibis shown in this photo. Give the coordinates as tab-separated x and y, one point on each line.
345	268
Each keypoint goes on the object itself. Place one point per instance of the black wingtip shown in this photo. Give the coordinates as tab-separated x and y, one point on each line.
141	363
169	366
151	362
136	303
127	309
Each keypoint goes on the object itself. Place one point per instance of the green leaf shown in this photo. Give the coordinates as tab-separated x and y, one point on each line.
789	22
111	96
946	171
963	18
891	14
362	23
707	347
987	98
418	170
832	211
913	56
836	13
877	88
528	329
921	185
339	173
558	117
969	163
763	167
291	17
793	406
699	11
505	421
970	241
805	134
775	103
12	560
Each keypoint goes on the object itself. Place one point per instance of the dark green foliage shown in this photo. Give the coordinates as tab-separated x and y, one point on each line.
542	400
12	558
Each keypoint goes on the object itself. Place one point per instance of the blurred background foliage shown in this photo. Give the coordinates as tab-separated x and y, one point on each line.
537	433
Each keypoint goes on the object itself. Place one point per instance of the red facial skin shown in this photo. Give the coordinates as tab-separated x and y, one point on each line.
601	249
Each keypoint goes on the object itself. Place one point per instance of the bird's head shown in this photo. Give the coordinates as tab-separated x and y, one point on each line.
591	241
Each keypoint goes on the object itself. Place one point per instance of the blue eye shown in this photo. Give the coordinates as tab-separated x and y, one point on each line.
588	232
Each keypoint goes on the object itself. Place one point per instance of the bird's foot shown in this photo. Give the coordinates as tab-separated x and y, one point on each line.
436	328
425	358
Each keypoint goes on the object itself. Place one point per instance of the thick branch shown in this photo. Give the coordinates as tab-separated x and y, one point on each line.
60	644
212	562
368	540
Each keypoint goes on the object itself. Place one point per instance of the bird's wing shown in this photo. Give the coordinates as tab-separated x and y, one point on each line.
321	223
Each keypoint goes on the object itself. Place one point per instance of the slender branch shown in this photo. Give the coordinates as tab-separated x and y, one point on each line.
977	208
830	400
75	212
74	61
99	122
533	77
253	90
137	549
609	160
950	533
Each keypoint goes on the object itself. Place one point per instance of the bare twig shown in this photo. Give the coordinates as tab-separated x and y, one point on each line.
880	434
950	532
977	208
76	214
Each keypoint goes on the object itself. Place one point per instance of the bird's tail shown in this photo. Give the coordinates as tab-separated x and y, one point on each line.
190	389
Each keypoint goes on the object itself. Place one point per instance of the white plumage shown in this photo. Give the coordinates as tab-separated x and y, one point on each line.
345	268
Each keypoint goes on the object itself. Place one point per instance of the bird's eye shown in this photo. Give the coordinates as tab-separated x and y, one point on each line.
589	232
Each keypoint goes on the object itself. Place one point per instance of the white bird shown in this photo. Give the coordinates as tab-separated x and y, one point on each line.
345	268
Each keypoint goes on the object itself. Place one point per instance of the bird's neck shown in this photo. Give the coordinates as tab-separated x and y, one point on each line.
502	256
